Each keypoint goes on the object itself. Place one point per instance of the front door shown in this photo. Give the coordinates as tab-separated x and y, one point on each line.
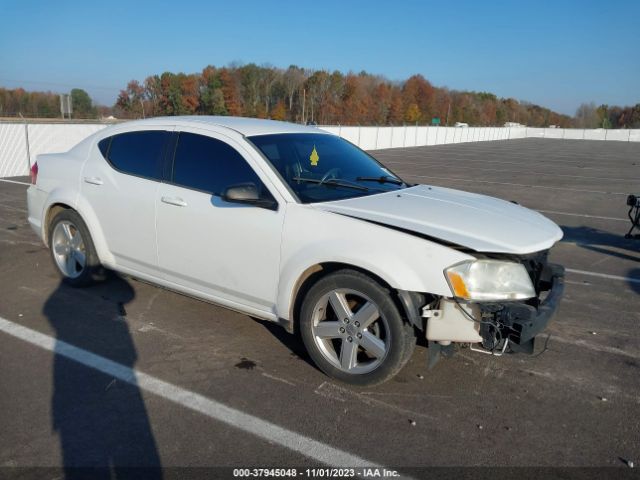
229	252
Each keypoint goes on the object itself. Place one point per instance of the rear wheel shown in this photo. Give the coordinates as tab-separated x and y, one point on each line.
72	250
353	330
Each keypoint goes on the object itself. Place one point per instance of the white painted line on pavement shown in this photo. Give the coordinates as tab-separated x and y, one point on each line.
243	421
14	181
457	179
597	348
584	215
483	161
603	275
525	173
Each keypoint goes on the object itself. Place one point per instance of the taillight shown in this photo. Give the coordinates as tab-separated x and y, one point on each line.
34	173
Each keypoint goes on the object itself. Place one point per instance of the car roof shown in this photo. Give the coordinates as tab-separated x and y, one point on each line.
244	126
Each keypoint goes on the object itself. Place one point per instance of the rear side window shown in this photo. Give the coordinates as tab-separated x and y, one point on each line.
103	145
204	163
138	153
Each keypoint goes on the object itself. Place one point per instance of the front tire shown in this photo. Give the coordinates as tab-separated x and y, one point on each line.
72	250
353	330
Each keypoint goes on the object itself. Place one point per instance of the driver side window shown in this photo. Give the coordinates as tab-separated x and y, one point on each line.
210	165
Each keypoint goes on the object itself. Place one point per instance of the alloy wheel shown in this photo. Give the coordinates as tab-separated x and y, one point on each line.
350	331
68	249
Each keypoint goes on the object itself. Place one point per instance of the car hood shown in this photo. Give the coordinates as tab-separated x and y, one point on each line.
478	222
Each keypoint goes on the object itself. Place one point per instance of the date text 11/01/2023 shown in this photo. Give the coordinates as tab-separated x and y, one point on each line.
316	472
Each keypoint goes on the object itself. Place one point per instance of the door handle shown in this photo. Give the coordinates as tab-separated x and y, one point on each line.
178	202
93	180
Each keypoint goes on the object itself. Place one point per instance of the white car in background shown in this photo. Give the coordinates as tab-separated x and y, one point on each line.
295	225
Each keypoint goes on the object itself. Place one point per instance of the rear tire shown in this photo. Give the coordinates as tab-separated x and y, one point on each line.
353	329
72	250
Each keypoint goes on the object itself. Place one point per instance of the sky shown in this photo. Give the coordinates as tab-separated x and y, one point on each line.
557	54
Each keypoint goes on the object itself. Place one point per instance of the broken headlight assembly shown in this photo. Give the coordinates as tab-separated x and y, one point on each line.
490	280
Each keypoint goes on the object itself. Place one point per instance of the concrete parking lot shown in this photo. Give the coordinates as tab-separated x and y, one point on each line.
576	404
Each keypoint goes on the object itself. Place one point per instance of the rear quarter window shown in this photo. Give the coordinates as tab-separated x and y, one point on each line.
103	146
136	153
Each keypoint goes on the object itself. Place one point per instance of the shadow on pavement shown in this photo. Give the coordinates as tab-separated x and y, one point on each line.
612	253
292	341
102	422
635	286
591	238
598	240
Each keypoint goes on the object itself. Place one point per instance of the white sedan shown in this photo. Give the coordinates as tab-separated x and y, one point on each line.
291	224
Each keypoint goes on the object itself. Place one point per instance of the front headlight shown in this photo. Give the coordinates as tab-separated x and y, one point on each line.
490	280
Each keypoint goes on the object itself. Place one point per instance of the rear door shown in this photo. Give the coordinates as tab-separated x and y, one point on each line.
120	181
228	252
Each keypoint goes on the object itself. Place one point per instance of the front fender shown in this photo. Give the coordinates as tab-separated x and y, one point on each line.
405	262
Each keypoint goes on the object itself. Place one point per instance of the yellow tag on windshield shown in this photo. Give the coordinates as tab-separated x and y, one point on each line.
314	157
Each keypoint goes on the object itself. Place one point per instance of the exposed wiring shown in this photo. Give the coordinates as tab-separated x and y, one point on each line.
494	325
544	349
497	330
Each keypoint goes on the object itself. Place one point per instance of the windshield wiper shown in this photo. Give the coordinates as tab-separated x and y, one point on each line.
333	182
382	179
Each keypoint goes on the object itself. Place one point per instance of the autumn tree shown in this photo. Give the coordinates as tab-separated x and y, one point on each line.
382	94
586	116
318	87
395	108
131	99
250	88
269	77
279	112
603	116
33	104
354	108
82	106
178	94
629	117
293	79
152	95
229	80
412	113
190	93
419	92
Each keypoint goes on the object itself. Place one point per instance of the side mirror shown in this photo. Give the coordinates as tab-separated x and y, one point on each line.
248	193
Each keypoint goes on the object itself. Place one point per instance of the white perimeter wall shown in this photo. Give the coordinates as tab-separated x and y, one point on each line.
42	138
55	138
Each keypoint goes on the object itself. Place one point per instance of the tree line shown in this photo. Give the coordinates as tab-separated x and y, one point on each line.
605	116
18	101
302	95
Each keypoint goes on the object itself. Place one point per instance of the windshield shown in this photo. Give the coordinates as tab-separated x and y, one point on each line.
321	167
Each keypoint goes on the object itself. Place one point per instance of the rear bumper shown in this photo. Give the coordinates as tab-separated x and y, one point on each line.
520	322
35	207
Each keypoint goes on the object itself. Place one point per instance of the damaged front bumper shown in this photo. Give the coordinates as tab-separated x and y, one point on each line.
496	326
520	322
